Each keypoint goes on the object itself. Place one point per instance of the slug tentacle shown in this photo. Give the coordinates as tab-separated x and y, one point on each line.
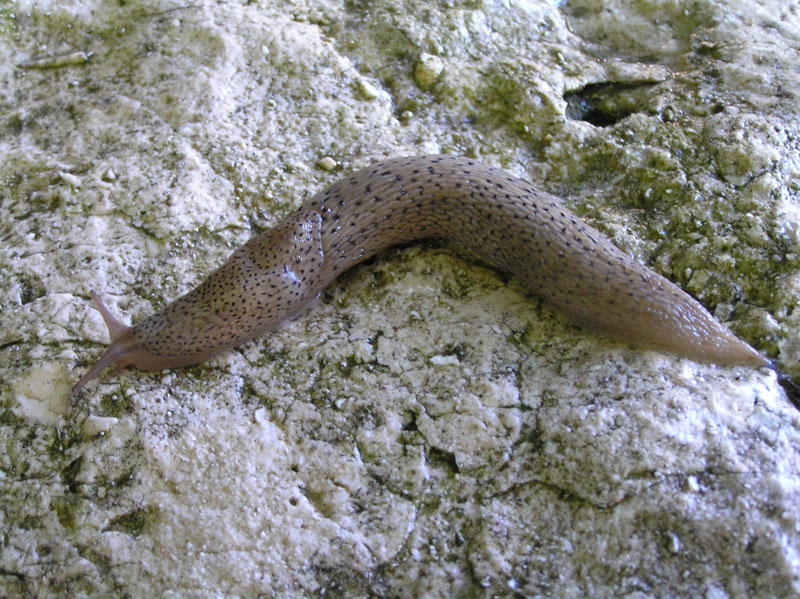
121	340
115	328
501	218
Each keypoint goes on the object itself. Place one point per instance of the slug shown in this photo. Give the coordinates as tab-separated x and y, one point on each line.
500	218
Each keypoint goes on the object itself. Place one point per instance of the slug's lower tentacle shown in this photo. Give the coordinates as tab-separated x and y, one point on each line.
499	217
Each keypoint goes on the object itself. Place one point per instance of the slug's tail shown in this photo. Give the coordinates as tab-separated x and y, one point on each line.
116	349
790	386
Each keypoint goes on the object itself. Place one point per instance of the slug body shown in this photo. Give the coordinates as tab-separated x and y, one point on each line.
499	217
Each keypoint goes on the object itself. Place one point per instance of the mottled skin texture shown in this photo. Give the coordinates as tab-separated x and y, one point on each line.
497	216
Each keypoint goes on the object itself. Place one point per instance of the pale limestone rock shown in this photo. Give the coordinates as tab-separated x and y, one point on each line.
426	428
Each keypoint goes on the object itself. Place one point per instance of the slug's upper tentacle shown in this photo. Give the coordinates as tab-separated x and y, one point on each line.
499	217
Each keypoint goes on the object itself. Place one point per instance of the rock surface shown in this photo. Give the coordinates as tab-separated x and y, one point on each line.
427	429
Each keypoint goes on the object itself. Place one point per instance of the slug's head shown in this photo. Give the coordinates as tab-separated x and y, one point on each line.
120	352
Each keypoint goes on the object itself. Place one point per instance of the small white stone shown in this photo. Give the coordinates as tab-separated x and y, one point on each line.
369	91
673	542
428	70
326	163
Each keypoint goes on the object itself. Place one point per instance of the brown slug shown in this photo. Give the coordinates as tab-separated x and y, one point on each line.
499	217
